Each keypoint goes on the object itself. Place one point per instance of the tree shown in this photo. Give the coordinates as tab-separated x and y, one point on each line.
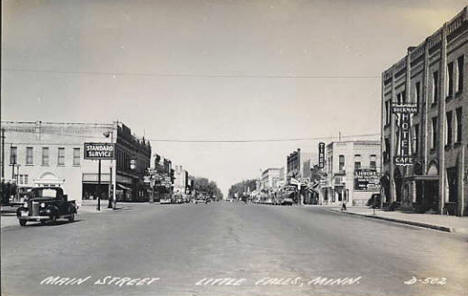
207	187
238	189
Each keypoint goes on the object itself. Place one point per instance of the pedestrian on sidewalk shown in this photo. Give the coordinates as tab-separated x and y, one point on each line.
343	207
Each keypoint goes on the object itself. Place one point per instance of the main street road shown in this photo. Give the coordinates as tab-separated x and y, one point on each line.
261	250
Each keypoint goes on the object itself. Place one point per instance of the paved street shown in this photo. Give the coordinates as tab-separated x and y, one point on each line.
250	244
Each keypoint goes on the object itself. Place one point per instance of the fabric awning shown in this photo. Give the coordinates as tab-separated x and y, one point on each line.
423	178
122	187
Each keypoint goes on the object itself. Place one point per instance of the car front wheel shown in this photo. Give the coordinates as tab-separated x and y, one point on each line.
22	222
71	218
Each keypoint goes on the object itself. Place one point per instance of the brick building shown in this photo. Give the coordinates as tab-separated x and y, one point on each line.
433	77
51	153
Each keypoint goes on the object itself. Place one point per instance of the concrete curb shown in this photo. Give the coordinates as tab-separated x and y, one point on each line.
413	223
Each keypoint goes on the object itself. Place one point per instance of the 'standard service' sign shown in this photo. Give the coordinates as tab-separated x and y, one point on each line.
98	151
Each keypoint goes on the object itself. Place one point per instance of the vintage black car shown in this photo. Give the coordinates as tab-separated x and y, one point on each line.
46	204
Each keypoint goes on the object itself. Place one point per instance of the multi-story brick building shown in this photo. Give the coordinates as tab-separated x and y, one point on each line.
270	178
433	77
180	180
353	171
298	172
50	153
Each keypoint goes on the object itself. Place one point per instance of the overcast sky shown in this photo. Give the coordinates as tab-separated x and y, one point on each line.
210	70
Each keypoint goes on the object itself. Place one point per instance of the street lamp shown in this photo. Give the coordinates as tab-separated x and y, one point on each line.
112	197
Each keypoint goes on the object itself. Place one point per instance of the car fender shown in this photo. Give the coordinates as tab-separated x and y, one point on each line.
19	210
53	210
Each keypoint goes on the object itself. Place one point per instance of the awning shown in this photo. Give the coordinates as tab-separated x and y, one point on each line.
423	178
122	187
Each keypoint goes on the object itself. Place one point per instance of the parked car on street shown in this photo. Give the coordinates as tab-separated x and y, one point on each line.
165	200
46	204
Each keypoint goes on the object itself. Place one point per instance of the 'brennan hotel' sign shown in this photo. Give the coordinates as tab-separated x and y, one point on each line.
98	151
404	113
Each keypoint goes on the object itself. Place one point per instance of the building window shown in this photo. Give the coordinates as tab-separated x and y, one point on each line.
76	156
435	87
448	128
61	156
434	133
45	156
357	162
449	91
418	93
373	161
403	97
387	112
416	139
29	155
460	64
459	125
13	155
26	181
387	150
342	162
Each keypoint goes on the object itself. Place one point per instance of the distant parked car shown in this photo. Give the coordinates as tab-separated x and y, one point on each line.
165	200
46	204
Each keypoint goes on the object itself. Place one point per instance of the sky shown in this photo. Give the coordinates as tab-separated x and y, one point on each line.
211	70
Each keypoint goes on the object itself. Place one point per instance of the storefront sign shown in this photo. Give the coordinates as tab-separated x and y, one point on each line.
97	151
404	112
366	180
321	154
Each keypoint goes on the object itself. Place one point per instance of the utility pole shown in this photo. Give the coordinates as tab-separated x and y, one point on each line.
98	191
3	165
3	153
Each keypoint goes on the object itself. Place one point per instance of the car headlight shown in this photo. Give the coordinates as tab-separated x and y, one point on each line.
42	205
25	204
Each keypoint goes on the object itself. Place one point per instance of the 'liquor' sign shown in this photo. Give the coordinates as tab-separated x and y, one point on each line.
404	113
98	151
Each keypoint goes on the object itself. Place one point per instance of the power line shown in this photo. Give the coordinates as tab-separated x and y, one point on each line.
260	140
280	76
255	140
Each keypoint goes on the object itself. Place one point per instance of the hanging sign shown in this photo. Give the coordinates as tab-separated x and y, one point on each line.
404	112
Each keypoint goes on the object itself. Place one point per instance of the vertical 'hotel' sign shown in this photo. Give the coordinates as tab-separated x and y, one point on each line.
321	155
404	113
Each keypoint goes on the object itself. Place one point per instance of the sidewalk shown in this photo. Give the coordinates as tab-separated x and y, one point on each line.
433	221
